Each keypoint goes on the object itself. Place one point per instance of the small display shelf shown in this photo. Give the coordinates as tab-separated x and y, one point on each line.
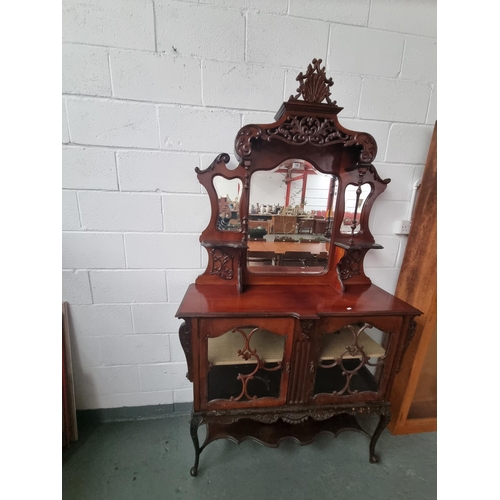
224	350
269	348
338	344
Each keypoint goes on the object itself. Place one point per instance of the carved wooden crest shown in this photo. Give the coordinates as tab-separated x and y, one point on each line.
314	85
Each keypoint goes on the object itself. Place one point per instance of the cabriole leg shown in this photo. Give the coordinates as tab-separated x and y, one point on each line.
382	424
195	423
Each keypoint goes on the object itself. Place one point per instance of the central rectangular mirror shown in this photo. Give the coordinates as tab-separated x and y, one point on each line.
290	216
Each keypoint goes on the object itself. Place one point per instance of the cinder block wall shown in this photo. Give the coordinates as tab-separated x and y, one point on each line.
153	89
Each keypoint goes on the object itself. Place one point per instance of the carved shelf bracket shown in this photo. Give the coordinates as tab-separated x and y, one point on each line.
222	264
349	265
185	339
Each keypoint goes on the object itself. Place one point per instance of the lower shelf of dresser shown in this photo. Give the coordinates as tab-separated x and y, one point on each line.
272	434
271	426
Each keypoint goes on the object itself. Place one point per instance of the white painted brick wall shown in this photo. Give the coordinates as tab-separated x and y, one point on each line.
178	282
394	100
405	141
223	83
169	251
70	216
76	287
185	129
153	89
128	286
164	376
274	6
419	61
368	44
133	349
213	33
86	353
86	70
157	171
285	41
155	318
113	23
186	213
404	16
88	168
92	250
432	113
120	211
353	12
112	123
145	76
101	320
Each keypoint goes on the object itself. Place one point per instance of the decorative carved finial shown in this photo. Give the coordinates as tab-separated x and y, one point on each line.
314	86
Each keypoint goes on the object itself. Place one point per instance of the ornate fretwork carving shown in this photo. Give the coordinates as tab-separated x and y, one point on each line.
318	131
294	418
314	85
222	264
368	146
222	157
185	338
307	129
271	416
246	353
242	144
355	351
412	328
349	264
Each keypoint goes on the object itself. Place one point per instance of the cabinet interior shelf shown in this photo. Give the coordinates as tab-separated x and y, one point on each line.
269	347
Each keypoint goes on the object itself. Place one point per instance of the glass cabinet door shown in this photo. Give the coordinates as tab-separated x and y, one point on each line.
351	362
247	363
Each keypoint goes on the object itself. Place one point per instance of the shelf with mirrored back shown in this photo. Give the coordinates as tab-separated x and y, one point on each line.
285	335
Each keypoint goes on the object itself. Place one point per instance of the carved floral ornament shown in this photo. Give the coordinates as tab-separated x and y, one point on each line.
314	85
301	129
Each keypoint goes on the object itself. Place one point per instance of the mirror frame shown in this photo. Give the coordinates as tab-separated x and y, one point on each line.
300	271
307	129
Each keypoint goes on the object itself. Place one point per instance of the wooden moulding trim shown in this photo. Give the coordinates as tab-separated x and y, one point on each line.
352	408
413	426
220	243
358	246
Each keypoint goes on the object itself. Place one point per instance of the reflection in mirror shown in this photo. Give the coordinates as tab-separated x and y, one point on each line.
228	195
290	218
355	197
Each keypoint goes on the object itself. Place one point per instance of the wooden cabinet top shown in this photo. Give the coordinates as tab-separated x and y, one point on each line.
305	302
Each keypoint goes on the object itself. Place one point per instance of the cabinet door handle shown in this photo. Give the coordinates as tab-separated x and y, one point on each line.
287	367
311	367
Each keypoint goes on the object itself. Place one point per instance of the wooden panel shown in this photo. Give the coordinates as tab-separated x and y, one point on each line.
217	328
425	399
70	428
417	284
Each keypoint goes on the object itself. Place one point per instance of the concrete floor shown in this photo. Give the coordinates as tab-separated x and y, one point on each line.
150	459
